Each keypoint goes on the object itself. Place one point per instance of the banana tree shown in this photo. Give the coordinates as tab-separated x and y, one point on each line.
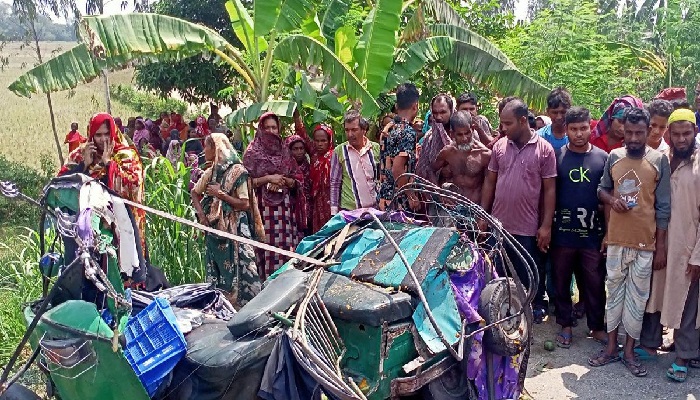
360	67
110	42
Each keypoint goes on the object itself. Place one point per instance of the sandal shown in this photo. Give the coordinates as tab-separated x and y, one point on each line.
635	367
673	373
644	355
603	358
565	343
668	346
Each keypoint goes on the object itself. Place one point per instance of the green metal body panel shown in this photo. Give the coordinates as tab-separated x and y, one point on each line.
375	355
104	376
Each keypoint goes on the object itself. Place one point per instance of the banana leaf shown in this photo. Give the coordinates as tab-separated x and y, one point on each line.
251	113
482	66
112	41
279	16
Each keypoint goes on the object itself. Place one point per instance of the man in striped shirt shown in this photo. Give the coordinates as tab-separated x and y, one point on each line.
353	167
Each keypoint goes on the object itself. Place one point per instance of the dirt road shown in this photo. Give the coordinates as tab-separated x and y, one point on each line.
565	373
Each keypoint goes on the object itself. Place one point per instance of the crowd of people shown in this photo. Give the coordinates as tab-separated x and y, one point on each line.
613	202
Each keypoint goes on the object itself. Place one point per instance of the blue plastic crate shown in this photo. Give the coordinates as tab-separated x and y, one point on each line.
154	343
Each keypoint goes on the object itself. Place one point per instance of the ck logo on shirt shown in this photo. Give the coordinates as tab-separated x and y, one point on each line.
578	175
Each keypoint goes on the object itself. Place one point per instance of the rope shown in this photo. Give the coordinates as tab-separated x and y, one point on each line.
226	235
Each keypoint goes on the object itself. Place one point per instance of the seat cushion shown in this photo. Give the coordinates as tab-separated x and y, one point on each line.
220	366
278	295
363	303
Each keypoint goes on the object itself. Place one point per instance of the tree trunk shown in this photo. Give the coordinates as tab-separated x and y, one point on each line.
108	101
48	95
55	131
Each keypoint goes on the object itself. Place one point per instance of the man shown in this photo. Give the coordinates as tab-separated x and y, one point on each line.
215	127
578	228
352	167
680	300
398	150
659	110
463	162
480	125
523	168
214	113
436	138
558	101
635	189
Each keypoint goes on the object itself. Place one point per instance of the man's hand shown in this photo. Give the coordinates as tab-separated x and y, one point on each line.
659	261
693	272
108	152
544	236
619	206
213	189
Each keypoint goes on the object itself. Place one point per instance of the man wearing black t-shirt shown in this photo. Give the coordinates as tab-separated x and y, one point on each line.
578	228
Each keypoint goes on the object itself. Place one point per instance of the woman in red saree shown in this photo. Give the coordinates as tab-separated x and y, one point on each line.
108	157
321	176
278	183
300	149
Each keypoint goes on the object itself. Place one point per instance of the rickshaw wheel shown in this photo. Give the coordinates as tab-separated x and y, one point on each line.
19	392
451	385
495	303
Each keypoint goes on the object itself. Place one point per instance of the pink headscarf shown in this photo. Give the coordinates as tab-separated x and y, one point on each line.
266	155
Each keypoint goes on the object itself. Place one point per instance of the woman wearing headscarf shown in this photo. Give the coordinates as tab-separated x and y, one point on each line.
177	123
300	150
172	153
140	133
130	129
118	123
609	132
108	157
224	199
321	176
202	127
278	183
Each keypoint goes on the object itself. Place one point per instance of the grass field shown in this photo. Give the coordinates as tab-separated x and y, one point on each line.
25	125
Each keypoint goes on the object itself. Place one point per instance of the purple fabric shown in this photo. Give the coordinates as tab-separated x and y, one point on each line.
85	231
467	287
394	216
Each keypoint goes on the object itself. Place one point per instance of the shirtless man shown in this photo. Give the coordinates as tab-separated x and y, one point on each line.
463	163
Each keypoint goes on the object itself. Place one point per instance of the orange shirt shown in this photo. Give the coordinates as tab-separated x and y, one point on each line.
74	139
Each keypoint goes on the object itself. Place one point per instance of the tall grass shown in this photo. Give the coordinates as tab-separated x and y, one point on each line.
172	246
20	283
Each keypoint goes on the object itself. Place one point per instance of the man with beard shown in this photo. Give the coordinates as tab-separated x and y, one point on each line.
681	290
436	138
558	101
635	189
463	163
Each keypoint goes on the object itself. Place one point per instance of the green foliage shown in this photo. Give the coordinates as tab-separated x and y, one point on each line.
146	104
17	212
563	47
20	283
197	79
172	246
47	30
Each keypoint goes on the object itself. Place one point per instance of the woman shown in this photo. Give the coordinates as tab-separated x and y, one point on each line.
609	133
177	123
172	153
223	199
301	152
130	129
202	127
140	133
108	157
321	177
118	123
279	187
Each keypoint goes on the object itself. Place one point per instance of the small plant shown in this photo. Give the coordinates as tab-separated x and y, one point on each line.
172	246
20	283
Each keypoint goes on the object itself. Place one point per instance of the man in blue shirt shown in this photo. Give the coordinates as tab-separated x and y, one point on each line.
558	102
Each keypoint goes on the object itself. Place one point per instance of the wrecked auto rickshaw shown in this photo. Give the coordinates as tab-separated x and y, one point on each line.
374	306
